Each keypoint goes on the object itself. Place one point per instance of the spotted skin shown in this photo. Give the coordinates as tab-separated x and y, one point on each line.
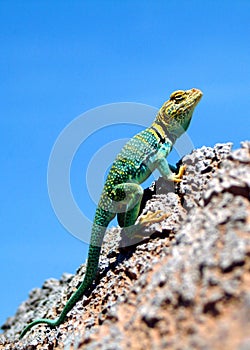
122	192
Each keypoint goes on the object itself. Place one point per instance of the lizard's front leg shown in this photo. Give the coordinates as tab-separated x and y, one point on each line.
167	170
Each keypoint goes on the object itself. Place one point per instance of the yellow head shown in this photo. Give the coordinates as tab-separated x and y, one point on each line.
175	115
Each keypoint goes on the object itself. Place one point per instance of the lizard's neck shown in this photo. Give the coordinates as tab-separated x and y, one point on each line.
163	132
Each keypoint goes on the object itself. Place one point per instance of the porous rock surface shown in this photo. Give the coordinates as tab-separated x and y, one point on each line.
185	286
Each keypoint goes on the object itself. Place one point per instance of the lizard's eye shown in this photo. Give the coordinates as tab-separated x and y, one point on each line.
178	96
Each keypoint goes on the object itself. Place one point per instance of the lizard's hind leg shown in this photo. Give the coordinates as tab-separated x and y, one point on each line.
129	204
131	208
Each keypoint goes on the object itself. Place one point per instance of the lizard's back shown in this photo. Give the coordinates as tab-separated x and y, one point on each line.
133	162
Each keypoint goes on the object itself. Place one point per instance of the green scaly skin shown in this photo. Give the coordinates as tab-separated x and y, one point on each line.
122	192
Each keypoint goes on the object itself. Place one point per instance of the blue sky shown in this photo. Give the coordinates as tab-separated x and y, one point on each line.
59	59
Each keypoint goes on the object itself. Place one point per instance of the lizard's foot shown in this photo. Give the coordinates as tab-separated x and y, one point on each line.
178	177
147	219
151	218
133	233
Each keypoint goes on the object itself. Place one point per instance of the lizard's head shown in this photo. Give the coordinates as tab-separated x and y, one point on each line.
175	115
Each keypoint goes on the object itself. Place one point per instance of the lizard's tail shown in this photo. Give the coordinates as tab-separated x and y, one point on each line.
101	222
69	305
51	323
92	266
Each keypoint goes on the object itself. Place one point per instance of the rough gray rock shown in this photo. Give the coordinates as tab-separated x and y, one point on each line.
186	285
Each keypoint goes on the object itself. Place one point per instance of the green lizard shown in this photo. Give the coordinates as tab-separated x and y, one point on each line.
122	192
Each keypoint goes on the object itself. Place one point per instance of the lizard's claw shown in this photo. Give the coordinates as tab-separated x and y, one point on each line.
178	177
151	218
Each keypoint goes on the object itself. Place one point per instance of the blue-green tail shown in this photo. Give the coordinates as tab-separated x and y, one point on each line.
71	302
51	323
101	221
91	270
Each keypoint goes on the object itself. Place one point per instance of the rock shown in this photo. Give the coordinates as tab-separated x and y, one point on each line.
183	284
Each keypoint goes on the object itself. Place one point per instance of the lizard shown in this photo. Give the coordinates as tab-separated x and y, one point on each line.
122	193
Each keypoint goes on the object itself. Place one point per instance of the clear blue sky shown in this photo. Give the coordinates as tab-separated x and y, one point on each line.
58	59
